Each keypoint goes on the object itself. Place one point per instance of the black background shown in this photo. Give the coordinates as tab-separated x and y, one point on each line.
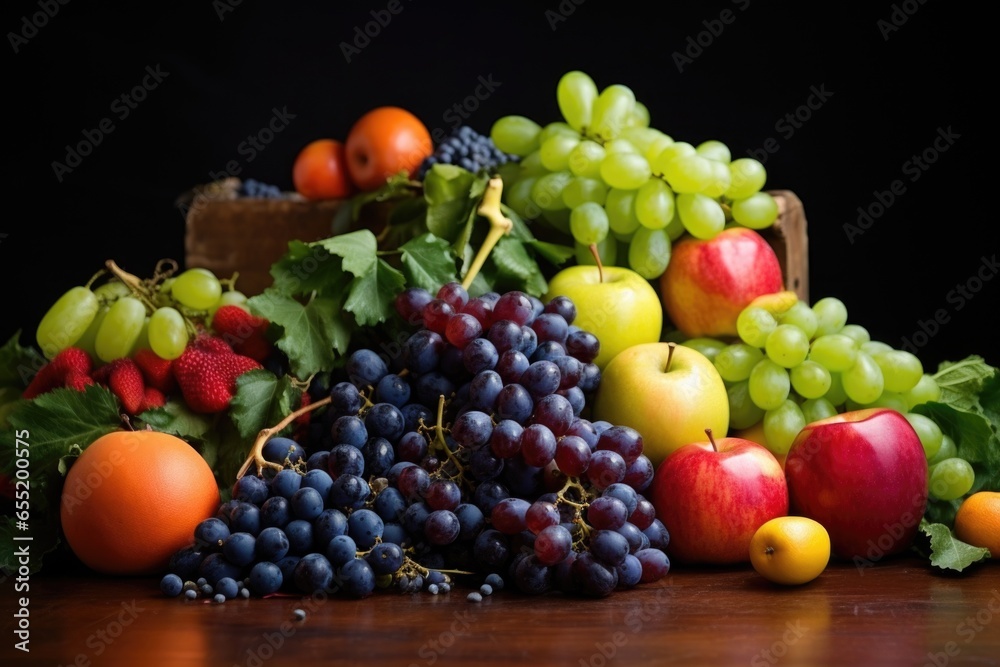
895	77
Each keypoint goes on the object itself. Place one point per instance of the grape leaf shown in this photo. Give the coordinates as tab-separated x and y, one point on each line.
262	400
371	296
176	418
356	250
551	252
947	551
427	262
312	332
18	364
961	382
304	269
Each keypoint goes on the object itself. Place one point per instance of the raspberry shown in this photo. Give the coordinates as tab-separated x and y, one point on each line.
243	331
206	373
53	374
156	371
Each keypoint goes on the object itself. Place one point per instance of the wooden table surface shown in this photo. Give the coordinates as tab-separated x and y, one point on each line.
899	612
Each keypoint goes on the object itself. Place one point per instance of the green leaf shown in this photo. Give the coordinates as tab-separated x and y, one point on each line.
520	229
962	381
19	364
312	333
176	418
947	551
357	250
446	219
262	400
553	253
371	295
447	182
513	260
427	262
305	268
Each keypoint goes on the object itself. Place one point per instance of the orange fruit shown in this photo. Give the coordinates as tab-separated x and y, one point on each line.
320	171
790	550
133	498
384	142
977	521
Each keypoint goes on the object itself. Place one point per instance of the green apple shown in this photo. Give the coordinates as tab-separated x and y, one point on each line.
670	393
614	303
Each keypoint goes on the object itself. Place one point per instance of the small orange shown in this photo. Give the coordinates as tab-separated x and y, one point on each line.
790	550
132	499
383	142
977	521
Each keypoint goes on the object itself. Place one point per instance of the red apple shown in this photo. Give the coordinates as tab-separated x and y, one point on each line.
709	281
712	496
863	475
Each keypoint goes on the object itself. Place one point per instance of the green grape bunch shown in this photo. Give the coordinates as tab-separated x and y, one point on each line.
621	189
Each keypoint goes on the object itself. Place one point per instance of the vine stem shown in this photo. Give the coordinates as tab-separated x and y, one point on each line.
256	456
500	225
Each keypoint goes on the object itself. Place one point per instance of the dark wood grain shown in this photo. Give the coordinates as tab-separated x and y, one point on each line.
900	612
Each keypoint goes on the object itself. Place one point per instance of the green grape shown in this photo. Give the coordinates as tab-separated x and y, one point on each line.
735	361
649	252
758	211
657	146
888	399
518	197
671	151
607	249
902	370
702	216
108	292
625	170
547	191
754	324
531	165
516	135
810	380
857	332
814	409
787	345
620	205
835	351
168	334
580	190
769	384
710	347
720	180
643	138
554	153
802	316
874	347
66	320
639	116
585	159
196	288
863	381
120	329
836	394
553	128
743	412
654	204
688	173
715	150
86	341
675	228
951	479
588	223
930	434
947	450
230	297
621	146
925	391
831	315
781	425
611	111
142	340
747	176
575	95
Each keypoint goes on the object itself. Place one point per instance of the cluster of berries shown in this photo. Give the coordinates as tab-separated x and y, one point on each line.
204	375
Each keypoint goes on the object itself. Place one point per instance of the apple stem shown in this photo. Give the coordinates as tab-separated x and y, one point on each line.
500	225
670	354
711	439
597	258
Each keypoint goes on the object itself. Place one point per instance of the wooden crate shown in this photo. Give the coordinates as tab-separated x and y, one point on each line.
228	234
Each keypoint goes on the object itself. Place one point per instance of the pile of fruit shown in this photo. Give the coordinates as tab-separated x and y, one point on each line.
540	374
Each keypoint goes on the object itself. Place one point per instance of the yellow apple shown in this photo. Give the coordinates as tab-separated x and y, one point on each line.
622	310
670	393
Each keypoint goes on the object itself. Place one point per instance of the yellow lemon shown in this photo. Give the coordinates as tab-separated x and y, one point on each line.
790	550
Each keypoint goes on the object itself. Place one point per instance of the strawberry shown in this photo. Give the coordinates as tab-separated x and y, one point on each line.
53	374
77	380
206	373
153	398
156	371
244	331
123	377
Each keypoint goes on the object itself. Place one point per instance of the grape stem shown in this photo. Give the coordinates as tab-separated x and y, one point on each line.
256	456
500	225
